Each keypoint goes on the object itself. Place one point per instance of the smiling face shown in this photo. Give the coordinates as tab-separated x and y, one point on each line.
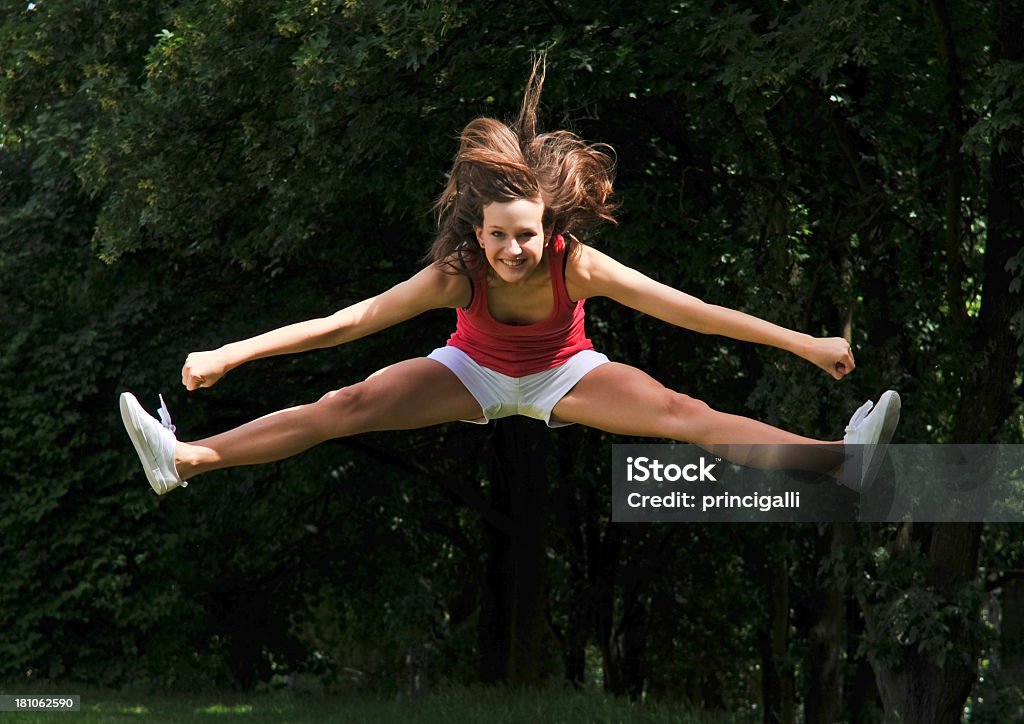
512	238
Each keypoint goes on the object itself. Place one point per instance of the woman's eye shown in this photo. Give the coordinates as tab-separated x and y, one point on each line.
523	237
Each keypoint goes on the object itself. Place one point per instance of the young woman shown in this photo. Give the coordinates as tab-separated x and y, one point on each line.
507	260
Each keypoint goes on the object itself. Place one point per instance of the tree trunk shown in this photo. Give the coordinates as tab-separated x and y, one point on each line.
953	135
770	569
627	652
920	689
861	700
1011	629
825	639
778	684
493	625
989	396
512	612
621	617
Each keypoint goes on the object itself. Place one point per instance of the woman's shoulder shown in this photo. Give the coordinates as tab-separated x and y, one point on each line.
584	260
449	279
581	263
589	271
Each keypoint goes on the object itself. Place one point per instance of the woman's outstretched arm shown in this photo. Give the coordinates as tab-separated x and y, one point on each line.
431	288
592	273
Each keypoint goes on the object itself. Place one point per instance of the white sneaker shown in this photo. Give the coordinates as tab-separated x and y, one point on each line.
154	442
870	430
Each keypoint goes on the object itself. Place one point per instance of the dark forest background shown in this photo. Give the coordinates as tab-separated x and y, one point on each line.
178	175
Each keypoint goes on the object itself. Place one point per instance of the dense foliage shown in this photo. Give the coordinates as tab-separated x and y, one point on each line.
176	175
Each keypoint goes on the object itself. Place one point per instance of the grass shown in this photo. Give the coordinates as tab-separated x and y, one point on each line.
490	705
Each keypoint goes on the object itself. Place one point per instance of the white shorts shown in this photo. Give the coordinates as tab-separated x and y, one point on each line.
503	396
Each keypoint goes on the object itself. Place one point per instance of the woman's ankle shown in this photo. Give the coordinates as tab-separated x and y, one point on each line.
188	460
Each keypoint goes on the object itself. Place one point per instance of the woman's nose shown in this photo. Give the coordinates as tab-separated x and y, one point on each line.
514	247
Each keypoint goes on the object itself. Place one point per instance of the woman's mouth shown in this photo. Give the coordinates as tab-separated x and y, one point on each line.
513	262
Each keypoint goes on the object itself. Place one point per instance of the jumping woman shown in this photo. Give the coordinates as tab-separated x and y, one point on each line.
507	259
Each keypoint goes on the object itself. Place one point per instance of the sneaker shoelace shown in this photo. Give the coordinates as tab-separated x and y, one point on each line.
165	420
859	416
165	415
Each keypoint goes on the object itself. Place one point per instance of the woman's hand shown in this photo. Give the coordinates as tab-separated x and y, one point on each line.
203	369
832	354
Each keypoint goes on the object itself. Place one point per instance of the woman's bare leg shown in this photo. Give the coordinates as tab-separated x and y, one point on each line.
411	394
623	400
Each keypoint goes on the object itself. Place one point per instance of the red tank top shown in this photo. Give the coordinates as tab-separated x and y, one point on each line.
518	350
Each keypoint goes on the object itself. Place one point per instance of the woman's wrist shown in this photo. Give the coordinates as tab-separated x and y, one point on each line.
801	345
232	355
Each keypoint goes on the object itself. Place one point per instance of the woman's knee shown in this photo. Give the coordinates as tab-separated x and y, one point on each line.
342	412
688	417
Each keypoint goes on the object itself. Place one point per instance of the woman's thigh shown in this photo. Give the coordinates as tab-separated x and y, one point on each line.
624	400
415	393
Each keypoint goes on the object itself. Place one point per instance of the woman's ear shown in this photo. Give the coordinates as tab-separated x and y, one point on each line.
479	231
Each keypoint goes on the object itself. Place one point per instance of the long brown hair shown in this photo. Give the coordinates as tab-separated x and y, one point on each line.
498	162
